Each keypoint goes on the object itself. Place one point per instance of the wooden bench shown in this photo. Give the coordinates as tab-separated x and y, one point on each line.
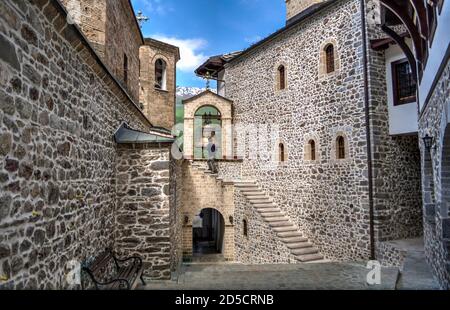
126	275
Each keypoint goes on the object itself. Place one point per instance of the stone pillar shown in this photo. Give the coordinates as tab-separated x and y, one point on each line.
187	240
227	138
228	204
188	135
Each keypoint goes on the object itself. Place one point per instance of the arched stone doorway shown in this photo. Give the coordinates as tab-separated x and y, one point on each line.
203	114
208	231
207	126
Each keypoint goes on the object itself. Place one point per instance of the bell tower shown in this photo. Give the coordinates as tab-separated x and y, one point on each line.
294	7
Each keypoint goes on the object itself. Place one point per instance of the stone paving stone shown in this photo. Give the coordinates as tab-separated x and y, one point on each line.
321	276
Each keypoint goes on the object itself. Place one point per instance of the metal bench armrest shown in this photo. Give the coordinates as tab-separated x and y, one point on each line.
135	258
97	283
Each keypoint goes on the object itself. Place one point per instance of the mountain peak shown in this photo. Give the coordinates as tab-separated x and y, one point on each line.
186	92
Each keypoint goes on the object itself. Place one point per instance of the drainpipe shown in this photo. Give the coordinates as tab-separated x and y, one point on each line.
368	131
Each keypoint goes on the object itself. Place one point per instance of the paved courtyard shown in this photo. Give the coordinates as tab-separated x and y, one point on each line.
317	276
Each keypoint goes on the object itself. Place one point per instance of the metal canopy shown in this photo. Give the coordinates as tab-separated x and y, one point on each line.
126	135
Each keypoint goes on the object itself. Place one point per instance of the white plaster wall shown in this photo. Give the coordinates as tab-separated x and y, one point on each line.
437	52
221	84
403	119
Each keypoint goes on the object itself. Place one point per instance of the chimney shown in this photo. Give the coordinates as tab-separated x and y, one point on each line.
294	7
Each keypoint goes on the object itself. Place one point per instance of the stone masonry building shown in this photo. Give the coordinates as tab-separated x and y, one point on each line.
315	130
322	182
70	185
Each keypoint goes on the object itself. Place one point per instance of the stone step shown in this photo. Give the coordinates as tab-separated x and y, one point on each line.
290	234
299	245
254	193
309	257
293	239
258	198
265	206
276	219
267	210
247	184
256	203
272	214
280	224
245	190
284	228
299	252
264	201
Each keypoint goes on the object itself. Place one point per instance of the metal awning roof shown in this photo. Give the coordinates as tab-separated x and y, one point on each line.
126	135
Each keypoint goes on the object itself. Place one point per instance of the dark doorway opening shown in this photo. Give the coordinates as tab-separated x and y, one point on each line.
208	233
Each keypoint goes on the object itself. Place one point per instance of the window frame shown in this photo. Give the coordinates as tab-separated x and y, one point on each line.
163	84
245	228
330	59
281	152
125	69
281	70
340	147
312	149
395	90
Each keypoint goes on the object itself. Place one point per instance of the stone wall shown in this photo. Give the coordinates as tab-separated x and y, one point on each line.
159	104
201	191
142	216
108	25
123	37
396	162
176	212
261	245
294	7
434	122
59	110
327	198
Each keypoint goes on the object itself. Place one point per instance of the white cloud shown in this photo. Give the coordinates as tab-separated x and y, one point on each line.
190	51
152	6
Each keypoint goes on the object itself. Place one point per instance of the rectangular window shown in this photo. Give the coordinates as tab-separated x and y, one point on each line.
403	83
125	69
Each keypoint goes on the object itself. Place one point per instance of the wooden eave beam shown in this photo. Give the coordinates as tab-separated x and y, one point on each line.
404	47
407	21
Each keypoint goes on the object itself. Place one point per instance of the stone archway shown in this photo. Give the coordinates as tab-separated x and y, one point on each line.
191	107
208	230
223	224
207	126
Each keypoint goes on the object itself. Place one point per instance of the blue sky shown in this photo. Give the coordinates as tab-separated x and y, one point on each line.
202	28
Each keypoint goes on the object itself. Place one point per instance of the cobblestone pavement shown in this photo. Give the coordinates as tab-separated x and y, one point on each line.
317	276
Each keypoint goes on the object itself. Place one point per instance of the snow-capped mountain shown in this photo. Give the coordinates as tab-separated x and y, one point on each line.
185	92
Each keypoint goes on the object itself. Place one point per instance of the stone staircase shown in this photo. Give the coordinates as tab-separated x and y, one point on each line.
289	234
299	246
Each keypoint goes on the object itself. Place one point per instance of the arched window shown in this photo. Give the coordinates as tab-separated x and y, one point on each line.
329	58
281	151
125	69
281	77
245	228
160	74
207	129
340	147
312	149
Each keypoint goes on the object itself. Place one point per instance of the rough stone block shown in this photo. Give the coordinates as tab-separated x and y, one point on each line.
8	53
